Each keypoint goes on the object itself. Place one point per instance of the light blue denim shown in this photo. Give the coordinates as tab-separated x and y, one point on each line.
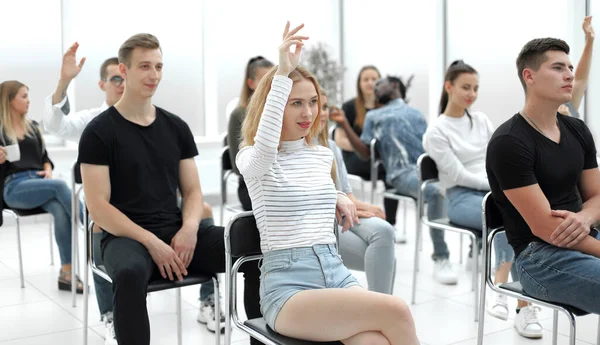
26	190
370	247
464	209
407	183
560	275
286	272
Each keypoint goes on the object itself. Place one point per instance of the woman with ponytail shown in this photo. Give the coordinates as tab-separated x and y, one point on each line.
457	142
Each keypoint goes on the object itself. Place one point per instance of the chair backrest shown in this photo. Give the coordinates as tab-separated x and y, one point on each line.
426	168
491	213
242	237
225	160
77	173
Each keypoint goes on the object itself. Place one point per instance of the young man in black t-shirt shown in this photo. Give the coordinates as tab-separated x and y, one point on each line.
133	158
544	177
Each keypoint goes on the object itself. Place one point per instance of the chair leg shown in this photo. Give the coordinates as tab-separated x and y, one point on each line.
555	327
572	326
20	253
50	220
86	292
74	240
179	331
475	276
481	315
402	238
460	250
598	336
419	229
217	311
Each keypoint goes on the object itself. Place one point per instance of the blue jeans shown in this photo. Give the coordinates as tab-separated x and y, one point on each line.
25	190
560	275
407	183
464	209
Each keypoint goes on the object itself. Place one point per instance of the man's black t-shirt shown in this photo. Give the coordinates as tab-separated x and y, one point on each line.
520	156
143	162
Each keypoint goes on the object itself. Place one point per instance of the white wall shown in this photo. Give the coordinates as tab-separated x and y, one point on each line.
255	28
394	36
593	108
30	46
490	35
101	27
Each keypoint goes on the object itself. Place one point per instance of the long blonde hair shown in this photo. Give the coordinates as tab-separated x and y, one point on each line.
257	102
324	140
259	99
8	91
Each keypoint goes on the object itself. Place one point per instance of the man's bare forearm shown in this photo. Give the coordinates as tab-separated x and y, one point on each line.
61	91
110	219
193	207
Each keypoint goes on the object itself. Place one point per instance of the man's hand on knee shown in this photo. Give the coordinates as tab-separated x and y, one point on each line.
184	244
167	260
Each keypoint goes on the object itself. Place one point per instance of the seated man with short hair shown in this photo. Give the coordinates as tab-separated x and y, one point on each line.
544	177
134	156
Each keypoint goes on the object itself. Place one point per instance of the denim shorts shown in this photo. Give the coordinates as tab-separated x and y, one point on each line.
286	272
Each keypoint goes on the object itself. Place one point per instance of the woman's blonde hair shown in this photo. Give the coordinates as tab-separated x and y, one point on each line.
259	99
8	91
324	139
257	102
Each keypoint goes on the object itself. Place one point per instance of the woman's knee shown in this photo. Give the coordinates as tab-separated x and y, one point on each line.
386	232
399	310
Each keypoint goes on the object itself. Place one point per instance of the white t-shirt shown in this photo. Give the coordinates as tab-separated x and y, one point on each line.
458	147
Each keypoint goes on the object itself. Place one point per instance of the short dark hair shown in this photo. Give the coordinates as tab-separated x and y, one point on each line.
402	86
533	54
147	41
105	64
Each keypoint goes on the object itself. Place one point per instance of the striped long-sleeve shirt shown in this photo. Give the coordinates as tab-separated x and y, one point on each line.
289	182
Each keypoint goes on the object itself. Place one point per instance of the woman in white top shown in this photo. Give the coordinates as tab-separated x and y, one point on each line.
305	289
457	142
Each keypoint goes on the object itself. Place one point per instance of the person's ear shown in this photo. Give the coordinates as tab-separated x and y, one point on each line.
528	76
447	86
101	84
123	70
251	84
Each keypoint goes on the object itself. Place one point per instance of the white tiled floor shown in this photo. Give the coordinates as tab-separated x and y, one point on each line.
41	314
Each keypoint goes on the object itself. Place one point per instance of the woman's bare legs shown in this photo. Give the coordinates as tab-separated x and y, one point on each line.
326	315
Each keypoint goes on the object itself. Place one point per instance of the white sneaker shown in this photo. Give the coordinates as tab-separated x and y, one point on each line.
400	237
206	315
527	323
110	338
443	272
498	307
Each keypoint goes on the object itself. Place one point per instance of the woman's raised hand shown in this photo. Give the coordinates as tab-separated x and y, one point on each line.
288	60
